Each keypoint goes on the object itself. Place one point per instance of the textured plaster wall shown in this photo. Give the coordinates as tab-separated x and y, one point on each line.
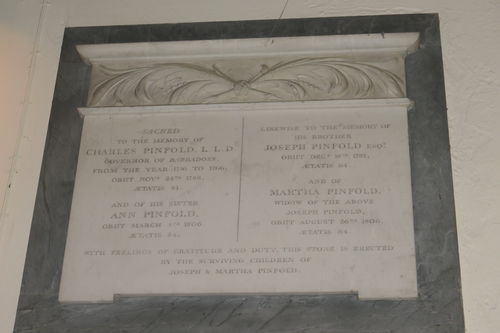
30	36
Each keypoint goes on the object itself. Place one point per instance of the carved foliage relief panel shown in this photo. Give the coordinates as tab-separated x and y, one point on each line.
282	69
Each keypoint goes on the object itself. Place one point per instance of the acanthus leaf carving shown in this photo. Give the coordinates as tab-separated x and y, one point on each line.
292	80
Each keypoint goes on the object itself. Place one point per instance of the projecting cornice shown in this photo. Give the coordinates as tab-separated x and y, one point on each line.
249	70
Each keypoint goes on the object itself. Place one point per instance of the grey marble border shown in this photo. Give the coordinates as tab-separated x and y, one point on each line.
439	306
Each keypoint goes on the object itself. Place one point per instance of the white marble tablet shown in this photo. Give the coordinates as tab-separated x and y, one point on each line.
251	198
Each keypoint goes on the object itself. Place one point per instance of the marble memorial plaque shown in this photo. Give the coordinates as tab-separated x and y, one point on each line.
260	198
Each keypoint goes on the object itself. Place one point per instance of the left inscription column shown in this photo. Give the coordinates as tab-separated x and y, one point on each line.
145	181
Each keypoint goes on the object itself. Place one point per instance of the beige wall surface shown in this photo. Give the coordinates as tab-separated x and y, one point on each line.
31	33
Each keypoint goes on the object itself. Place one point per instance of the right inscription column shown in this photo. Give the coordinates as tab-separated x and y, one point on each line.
337	182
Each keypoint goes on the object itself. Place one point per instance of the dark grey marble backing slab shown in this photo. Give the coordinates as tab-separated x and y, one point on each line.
438	308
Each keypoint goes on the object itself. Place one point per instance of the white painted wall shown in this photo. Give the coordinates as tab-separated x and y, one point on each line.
30	38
